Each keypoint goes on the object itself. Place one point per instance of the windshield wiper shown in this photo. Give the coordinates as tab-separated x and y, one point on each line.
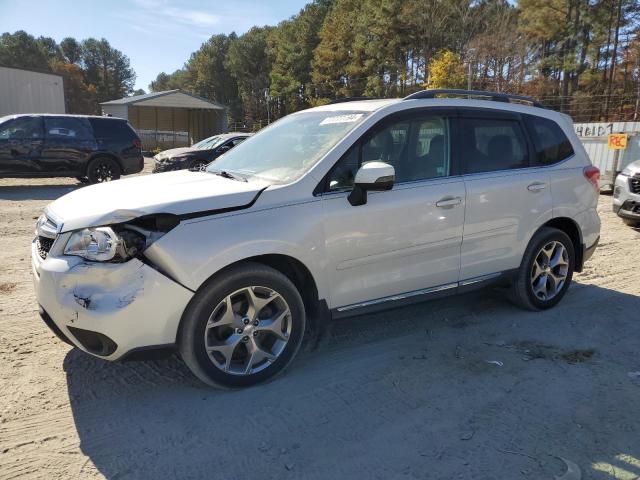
226	174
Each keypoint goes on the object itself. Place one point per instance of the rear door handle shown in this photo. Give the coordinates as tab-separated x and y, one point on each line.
536	186
449	202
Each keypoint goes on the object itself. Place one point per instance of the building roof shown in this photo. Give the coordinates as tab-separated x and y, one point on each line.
33	70
170	98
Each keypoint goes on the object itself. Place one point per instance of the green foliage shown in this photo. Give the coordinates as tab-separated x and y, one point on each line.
21	50
108	69
93	71
248	64
71	49
172	81
207	75
336	64
381	48
290	47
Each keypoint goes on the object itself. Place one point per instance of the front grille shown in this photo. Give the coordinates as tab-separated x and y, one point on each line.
43	244
631	206
46	233
634	183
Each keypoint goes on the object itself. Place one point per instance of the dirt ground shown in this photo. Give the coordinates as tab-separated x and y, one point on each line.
468	387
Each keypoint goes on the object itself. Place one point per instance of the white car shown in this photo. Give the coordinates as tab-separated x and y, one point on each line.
333	211
626	195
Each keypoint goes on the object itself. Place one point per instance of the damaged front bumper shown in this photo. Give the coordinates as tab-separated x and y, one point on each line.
107	309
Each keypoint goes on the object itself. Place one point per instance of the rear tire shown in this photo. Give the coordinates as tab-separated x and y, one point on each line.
545	272
242	327
103	169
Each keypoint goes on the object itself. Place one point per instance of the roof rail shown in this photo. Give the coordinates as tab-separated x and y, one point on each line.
494	96
351	99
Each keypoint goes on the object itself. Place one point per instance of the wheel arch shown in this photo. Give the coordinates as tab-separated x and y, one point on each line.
296	271
571	228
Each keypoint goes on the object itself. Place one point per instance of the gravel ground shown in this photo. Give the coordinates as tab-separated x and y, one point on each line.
467	387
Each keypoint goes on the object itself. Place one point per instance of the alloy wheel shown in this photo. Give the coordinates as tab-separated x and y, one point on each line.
248	330
549	271
104	173
199	166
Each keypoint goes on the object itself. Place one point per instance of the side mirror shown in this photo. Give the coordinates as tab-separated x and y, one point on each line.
374	176
224	148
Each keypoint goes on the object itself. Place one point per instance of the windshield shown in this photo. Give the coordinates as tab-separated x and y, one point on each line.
208	143
285	150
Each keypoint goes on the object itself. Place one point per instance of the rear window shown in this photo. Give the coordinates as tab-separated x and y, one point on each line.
551	144
111	128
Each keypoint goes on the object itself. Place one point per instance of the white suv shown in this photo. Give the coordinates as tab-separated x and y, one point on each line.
329	212
626	195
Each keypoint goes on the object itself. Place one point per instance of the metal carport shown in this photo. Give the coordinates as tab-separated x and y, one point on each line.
173	118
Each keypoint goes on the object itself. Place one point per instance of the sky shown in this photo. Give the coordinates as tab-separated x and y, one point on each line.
156	35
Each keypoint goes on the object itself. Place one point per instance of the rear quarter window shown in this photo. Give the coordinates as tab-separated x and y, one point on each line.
550	142
109	128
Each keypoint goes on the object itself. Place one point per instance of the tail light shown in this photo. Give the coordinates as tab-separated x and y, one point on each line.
137	143
592	174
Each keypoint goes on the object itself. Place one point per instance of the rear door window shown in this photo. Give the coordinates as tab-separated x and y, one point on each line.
492	144
551	144
67	128
112	128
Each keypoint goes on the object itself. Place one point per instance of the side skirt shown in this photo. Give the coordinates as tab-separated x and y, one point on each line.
417	296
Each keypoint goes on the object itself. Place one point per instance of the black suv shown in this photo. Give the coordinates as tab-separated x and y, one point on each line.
91	149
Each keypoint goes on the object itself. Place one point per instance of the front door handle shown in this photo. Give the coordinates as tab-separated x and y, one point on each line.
449	202
536	186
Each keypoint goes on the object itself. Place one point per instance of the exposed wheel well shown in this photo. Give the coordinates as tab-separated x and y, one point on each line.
106	155
570	227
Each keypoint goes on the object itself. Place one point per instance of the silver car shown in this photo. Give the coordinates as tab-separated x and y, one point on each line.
334	211
626	195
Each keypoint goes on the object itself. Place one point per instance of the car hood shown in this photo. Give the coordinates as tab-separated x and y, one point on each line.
174	152
181	193
633	168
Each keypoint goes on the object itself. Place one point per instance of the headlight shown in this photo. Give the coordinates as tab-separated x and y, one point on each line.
103	244
627	172
120	242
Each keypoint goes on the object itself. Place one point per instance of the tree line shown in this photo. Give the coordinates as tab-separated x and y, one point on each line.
92	70
578	56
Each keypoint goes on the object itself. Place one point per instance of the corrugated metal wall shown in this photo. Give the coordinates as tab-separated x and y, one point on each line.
23	91
594	138
168	127
119	111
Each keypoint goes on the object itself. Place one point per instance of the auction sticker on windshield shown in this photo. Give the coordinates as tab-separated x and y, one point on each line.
352	117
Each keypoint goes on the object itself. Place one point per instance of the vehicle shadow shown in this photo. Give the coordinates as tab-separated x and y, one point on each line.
36	192
469	386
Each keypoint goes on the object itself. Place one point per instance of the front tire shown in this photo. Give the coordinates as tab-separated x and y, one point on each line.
242	327
103	169
546	270
198	165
